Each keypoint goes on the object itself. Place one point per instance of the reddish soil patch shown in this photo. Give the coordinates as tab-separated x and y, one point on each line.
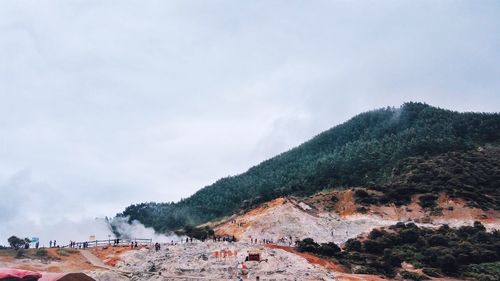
358	277
452	208
341	271
110	255
239	225
326	263
346	205
53	269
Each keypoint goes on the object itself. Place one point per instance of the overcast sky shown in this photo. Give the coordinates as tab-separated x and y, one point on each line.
108	103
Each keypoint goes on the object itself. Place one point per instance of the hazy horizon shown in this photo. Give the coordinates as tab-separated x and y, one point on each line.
107	104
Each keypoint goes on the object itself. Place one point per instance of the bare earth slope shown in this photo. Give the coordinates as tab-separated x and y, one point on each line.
325	219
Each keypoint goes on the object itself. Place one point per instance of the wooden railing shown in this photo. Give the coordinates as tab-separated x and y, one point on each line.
111	242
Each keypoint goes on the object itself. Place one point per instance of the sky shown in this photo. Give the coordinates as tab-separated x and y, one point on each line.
108	103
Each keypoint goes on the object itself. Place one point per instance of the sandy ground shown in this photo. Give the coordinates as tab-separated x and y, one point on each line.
283	221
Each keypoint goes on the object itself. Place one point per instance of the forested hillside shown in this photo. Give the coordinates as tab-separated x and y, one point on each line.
363	151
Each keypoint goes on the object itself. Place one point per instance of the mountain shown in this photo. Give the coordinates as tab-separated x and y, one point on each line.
366	151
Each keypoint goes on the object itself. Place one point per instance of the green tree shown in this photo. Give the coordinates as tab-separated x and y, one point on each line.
16	242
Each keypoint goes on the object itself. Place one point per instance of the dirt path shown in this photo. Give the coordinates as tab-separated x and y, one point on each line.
95	261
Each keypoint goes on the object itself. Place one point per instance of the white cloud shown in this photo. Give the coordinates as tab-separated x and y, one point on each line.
104	104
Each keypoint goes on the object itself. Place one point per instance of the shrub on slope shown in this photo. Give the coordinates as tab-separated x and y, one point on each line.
458	252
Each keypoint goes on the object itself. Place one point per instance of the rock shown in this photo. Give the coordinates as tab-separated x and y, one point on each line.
152	268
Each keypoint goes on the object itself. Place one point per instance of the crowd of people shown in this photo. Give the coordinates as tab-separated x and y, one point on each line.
223	239
287	240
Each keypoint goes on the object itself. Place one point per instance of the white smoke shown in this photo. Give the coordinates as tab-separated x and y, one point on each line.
65	231
135	230
31	208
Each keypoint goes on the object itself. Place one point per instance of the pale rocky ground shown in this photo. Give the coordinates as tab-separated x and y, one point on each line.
315	217
337	222
193	261
196	261
282	218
